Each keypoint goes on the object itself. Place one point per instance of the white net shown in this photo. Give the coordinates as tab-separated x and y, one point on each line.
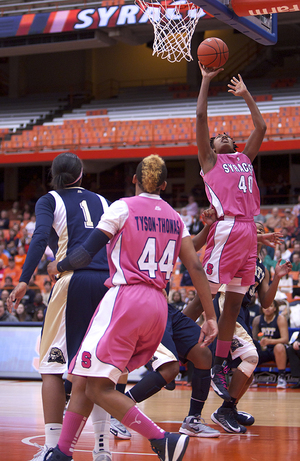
174	25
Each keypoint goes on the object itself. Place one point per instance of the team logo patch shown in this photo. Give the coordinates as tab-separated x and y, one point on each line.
56	355
235	344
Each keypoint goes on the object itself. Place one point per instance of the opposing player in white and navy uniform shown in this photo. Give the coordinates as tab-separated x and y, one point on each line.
146	236
65	217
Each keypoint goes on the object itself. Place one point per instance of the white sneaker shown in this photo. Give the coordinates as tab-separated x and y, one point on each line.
195	426
118	429
102	456
40	455
281	383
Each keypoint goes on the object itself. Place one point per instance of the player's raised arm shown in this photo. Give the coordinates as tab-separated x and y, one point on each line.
206	156
238	88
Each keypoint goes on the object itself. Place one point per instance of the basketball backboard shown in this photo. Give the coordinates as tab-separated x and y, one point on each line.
262	28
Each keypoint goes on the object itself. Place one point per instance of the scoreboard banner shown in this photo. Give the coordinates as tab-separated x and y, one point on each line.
73	20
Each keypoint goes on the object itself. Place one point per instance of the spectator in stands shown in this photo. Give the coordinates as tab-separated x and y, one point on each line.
296	261
12	242
197	225
192	206
285	251
176	301
30	226
8	284
274	221
32	284
285	286
288	221
272	346
1	273
12	270
295	248
21	314
20	257
191	295
37	304
296	212
4	295
4	254
4	221
39	314
286	237
15	213
47	291
5	316
186	218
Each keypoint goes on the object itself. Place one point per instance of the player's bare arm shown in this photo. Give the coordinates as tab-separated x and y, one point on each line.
206	156
238	88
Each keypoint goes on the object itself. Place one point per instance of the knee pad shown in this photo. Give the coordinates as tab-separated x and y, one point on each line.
248	365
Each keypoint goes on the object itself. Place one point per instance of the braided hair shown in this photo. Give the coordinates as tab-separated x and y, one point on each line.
151	172
66	171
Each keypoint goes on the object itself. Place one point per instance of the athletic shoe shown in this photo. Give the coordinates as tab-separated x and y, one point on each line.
170	386
118	429
40	455
54	454
281	383
225	418
218	381
171	448
196	427
102	456
243	417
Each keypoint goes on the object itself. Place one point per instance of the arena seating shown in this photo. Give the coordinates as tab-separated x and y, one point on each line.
148	120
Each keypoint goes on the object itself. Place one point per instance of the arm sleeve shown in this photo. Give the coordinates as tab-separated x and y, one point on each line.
44	211
83	255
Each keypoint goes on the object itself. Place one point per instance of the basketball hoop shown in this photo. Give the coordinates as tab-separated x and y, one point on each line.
174	25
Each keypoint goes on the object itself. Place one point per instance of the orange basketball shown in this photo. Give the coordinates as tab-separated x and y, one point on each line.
213	52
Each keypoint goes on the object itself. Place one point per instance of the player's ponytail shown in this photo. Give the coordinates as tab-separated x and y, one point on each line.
66	171
151	172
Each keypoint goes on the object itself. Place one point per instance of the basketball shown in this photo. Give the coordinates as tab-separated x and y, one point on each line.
213	52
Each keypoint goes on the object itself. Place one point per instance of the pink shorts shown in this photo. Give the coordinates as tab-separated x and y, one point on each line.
124	333
231	252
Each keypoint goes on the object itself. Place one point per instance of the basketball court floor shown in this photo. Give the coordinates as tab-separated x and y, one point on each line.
275	436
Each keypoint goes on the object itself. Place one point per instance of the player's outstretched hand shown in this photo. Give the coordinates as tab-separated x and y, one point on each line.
237	86
209	331
270	239
16	295
209	72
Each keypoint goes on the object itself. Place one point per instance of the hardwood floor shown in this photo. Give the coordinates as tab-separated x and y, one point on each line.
274	436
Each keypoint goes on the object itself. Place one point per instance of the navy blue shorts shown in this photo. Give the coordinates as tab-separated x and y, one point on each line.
181	333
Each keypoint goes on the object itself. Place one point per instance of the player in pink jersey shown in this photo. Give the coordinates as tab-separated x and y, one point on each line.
146	236
231	189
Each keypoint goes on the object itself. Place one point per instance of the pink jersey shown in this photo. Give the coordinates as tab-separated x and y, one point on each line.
146	247
231	186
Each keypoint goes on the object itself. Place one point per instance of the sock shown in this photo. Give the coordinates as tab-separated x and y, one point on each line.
136	420
230	404
222	351
101	425
121	387
149	385
72	428
52	434
200	389
281	372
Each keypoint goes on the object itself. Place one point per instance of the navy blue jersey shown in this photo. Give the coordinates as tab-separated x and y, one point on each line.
270	330
64	220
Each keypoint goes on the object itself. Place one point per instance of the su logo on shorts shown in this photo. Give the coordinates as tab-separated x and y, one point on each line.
56	355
